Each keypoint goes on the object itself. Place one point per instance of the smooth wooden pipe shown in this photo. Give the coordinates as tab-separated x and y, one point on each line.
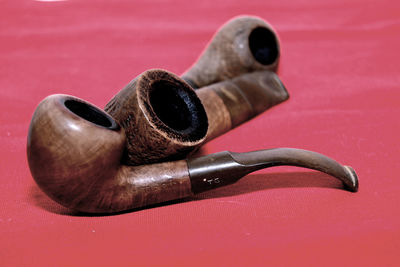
243	44
164	119
75	154
234	101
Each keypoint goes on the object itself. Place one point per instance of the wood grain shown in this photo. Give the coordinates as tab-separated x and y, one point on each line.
232	102
219	118
77	161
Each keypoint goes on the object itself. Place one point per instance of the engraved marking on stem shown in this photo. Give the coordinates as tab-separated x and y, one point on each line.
212	180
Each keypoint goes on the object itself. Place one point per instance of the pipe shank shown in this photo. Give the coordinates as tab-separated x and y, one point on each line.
233	102
141	186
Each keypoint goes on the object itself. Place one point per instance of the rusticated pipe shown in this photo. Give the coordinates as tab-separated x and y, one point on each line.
243	44
164	119
75	154
159	112
162	116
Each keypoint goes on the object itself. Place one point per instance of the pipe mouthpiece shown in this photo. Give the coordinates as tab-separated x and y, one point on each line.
352	184
225	168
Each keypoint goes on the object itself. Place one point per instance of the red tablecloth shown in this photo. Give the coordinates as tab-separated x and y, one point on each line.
340	63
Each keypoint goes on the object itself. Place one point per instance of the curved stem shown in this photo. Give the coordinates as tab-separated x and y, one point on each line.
226	167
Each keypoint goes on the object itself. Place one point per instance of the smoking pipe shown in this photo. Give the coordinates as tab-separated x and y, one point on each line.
75	154
164	119
243	44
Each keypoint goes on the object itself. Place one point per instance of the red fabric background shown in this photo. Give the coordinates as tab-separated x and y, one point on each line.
340	63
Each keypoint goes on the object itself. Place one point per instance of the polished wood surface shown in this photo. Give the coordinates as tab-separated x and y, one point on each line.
232	102
75	156
219	118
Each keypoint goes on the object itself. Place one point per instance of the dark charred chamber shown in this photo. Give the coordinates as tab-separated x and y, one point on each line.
264	45
179	108
91	113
